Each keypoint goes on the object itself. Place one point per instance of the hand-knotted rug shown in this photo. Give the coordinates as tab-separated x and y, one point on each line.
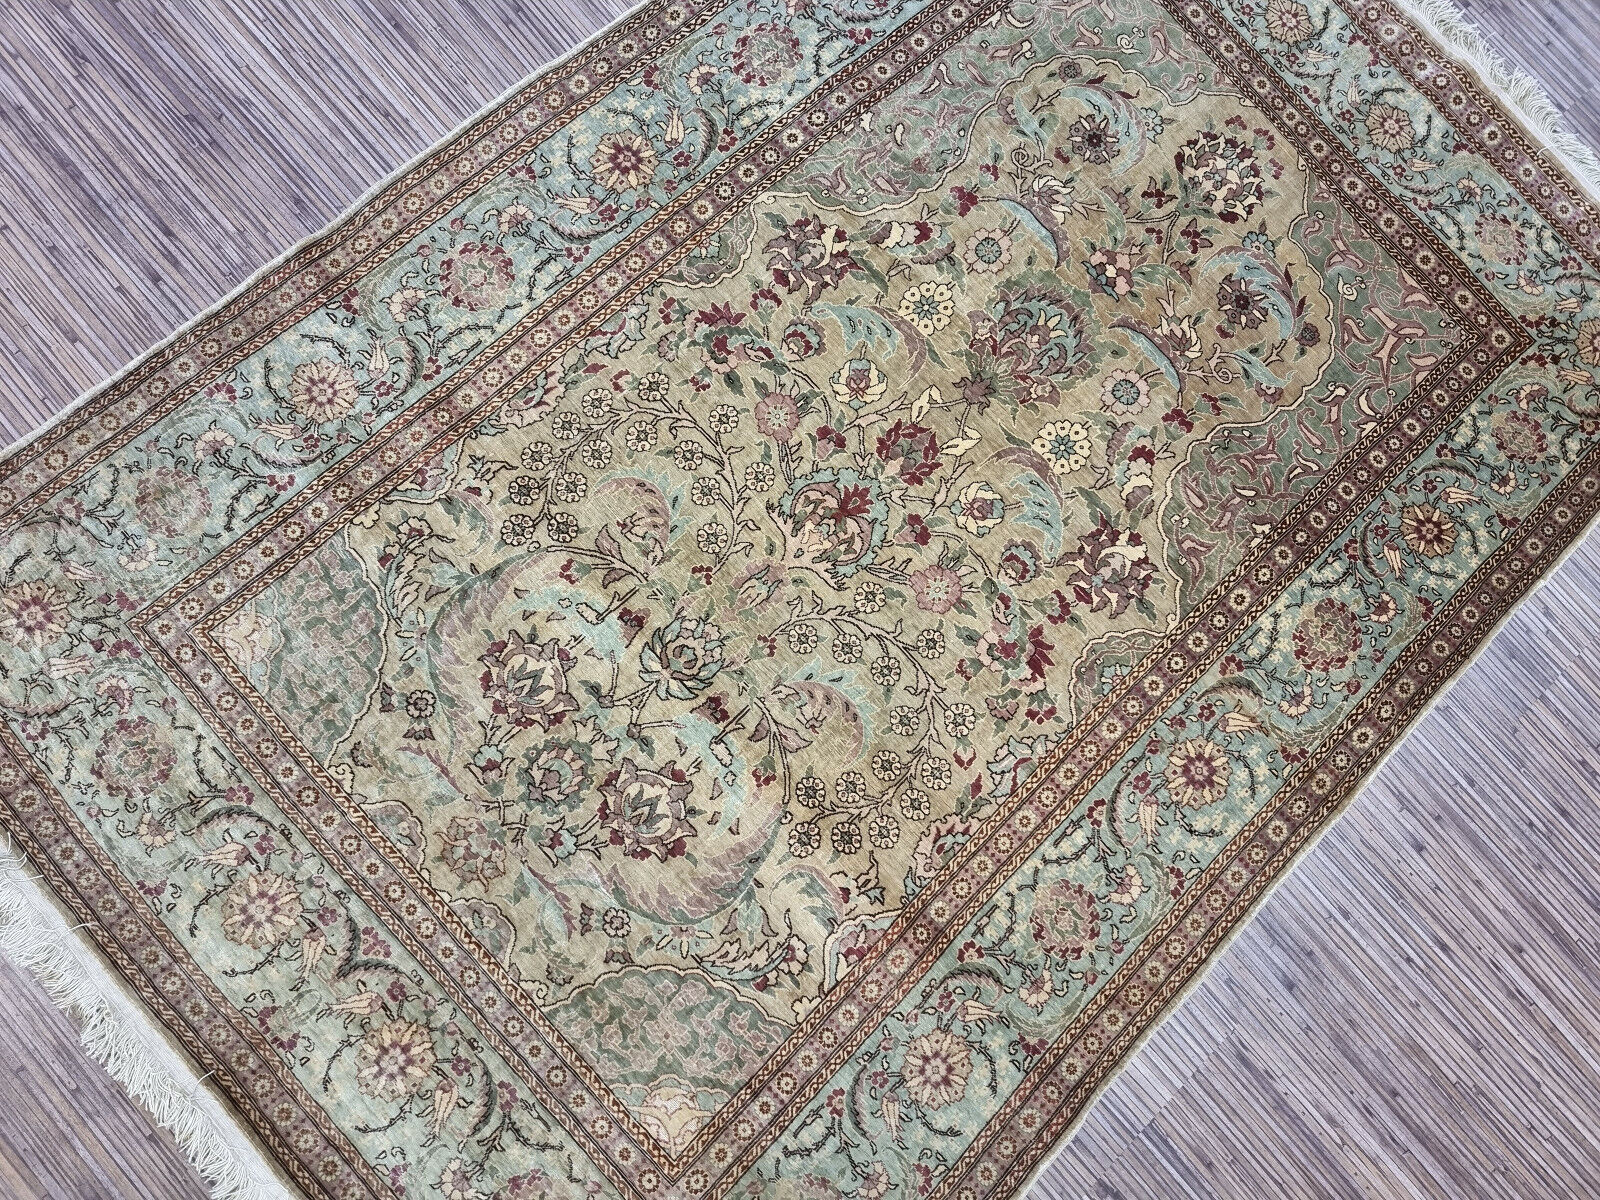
745	626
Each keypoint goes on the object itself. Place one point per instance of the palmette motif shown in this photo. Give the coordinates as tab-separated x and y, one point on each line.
790	735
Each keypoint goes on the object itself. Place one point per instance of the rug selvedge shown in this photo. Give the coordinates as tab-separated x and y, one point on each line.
977	1031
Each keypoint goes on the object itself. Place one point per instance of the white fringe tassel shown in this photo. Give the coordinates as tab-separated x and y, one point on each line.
1517	90
122	1035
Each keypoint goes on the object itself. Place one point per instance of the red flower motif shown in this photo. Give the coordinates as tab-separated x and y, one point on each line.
911	449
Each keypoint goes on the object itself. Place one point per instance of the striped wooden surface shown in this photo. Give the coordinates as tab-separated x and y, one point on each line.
1416	1010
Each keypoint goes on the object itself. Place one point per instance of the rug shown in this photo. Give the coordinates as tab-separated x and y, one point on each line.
745	626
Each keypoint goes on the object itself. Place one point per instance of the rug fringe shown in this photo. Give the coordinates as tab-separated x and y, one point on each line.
1519	91
117	1033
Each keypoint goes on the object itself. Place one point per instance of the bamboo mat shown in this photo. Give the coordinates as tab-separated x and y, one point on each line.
1416	1011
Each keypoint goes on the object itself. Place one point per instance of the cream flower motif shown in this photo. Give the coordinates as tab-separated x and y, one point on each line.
876	1183
455	1181
936	1069
1390	128
934	774
915	805
154	834
858	383
261	910
323	390
514	217
978	508
851	788
903	720
518	529
883	831
247	636
688	456
1180	336
987	251
887	765
141	557
406	303
641	436
700	77
1289	21
1124	393
1059	194
712	537
672	1115
1197	773
32	614
960	719
571	487
562	527
804	838
654	387
212	442
810	790
928	307
846	837
1588	342
1037	990
622	161
870	597
395	1060
1065	443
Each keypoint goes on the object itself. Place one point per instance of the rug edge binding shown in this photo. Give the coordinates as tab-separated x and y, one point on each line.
119	1033
1334	819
